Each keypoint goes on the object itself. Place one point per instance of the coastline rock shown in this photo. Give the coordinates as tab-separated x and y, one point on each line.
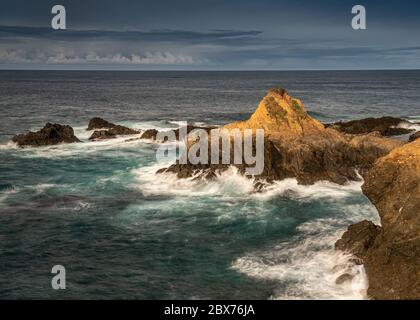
113	129
386	126
122	131
298	146
51	134
392	257
414	136
149	134
358	238
101	135
280	115
152	133
99	123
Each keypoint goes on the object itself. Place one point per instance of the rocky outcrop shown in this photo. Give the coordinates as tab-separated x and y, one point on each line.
150	134
391	253
51	134
122	131
299	146
99	123
280	115
112	131
101	135
414	136
386	126
359	238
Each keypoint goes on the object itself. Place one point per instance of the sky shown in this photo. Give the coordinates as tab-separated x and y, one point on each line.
210	35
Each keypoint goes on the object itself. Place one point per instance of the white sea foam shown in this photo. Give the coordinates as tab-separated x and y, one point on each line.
9	145
413	118
307	266
78	149
87	146
145	125
4	194
228	183
232	183
81	205
321	189
42	187
409	125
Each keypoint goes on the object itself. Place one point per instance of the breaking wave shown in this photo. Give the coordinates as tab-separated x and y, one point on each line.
409	125
233	183
307	266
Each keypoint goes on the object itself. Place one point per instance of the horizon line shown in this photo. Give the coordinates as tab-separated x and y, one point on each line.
212	70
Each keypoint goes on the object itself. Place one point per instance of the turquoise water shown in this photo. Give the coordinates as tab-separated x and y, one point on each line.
121	231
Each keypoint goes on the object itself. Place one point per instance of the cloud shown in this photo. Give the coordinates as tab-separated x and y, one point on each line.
181	36
212	49
147	58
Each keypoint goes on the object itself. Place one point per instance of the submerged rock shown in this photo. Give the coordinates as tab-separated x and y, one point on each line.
414	136
346	277
296	145
391	254
386	126
51	134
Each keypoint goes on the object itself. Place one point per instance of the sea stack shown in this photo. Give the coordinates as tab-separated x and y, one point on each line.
298	146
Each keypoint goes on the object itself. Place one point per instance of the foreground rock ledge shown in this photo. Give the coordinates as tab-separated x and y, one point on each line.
391	253
298	146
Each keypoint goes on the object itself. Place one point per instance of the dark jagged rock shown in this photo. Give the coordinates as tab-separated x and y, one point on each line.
391	254
386	126
102	135
358	238
113	129
99	123
122	131
298	146
51	134
150	134
414	136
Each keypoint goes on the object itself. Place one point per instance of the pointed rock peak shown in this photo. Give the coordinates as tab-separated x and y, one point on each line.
279	113
279	91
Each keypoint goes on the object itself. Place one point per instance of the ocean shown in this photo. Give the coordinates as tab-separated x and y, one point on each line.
121	231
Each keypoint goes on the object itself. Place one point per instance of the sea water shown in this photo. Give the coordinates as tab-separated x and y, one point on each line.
122	231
